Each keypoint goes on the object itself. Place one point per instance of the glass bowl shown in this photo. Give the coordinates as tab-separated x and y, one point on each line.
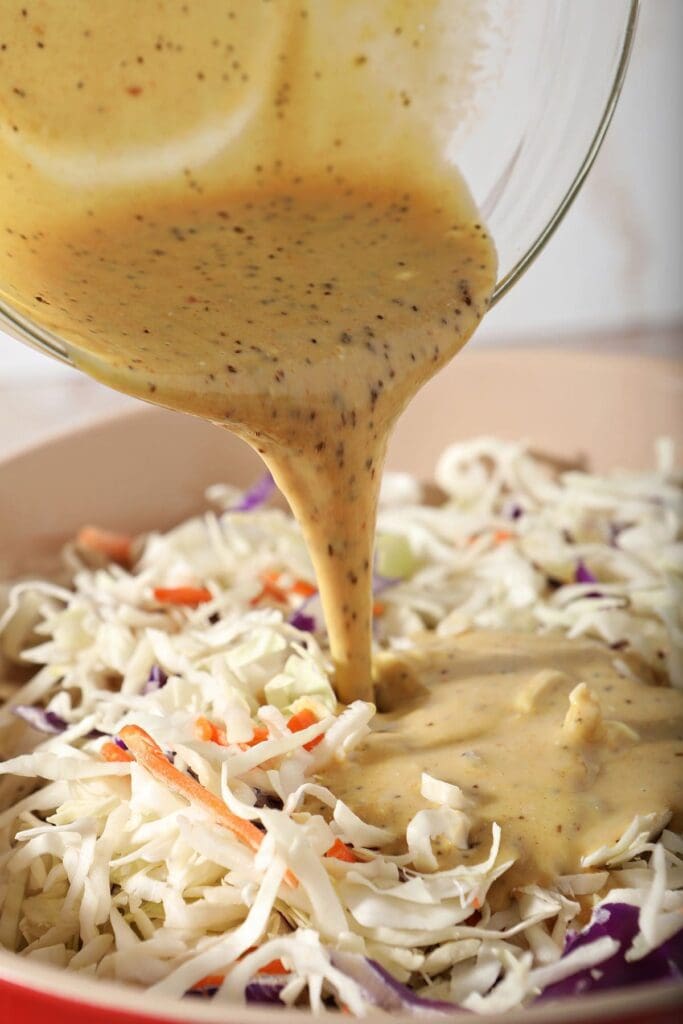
541	94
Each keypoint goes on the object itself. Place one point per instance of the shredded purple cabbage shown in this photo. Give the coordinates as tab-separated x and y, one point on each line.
40	719
264	799
582	573
308	617
300	620
618	921
513	510
156	680
265	988
381	583
256	495
381	989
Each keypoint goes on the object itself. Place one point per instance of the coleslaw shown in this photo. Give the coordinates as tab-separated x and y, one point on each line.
163	759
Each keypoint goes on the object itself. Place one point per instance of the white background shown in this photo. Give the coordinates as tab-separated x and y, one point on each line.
615	263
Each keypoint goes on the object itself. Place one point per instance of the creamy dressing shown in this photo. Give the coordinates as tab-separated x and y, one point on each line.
249	212
493	716
302	303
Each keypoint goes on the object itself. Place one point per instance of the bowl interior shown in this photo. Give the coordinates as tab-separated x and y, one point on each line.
150	468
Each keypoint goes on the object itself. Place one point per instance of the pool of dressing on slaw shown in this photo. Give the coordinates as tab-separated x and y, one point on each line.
252	216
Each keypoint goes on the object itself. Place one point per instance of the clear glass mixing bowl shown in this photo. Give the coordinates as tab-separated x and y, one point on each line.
545	89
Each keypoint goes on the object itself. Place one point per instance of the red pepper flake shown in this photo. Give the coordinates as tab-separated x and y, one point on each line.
134	90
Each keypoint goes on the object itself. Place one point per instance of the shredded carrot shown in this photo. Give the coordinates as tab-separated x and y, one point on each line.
302	588
209	732
216	980
476	904
259	734
301	720
378	608
340	851
182	595
274	967
498	536
115	546
271	590
204	729
112	752
149	754
210	981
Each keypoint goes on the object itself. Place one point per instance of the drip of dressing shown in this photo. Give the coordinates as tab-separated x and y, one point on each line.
296	298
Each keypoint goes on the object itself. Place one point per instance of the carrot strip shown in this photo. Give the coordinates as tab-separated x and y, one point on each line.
274	967
216	980
271	590
302	588
210	981
498	536
182	595
209	732
301	720
378	608
340	851
204	729
115	546
149	754
259	734
112	752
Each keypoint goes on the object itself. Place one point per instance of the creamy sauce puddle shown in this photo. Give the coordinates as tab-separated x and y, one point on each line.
495	720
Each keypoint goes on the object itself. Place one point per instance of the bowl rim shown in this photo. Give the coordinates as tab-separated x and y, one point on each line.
618	1005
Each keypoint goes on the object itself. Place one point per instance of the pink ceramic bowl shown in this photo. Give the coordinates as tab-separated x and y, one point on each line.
150	468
